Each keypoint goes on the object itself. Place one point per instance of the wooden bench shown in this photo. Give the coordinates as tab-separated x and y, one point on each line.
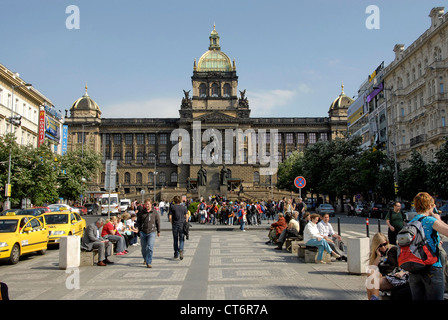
89	258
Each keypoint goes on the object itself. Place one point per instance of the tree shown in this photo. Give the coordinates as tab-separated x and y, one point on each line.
438	173
289	169
414	179
76	170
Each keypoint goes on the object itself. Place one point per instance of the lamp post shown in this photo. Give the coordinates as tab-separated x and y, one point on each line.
11	121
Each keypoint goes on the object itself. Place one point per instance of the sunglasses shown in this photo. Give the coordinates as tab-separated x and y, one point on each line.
382	245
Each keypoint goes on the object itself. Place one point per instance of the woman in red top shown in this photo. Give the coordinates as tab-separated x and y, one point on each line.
111	233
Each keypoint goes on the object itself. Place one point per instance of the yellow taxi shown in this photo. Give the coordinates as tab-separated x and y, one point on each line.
21	235
63	223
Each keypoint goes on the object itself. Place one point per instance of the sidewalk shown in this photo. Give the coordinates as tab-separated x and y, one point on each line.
220	263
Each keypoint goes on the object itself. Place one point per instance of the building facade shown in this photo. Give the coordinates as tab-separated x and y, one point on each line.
39	121
415	87
214	133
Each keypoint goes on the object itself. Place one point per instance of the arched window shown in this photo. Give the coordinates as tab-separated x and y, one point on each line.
162	178
162	157
138	178
174	177
139	157
128	157
227	90
152	157
215	90
127	178
256	177
117	155
202	90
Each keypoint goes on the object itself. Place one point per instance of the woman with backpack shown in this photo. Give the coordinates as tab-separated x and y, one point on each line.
429	283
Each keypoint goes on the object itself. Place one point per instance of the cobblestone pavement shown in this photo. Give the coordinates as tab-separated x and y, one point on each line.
217	265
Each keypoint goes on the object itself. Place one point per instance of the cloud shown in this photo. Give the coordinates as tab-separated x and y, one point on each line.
152	108
269	102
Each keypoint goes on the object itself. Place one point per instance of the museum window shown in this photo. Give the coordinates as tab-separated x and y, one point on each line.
162	178
256	177
215	90
202	90
127	178
117	138
128	138
139	157
152	157
289	138
117	155
163	138
138	178
162	157
301	138
323	136
174	177
227	90
140	138
128	157
152	138
312	138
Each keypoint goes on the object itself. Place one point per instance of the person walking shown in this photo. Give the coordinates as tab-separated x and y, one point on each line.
395	222
149	227
178	216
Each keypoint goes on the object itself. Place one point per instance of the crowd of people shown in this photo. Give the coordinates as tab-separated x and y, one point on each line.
290	219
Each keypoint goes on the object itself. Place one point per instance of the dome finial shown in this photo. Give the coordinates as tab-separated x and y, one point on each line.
342	87
86	95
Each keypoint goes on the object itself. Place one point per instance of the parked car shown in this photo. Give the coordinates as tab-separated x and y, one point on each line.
62	207
32	211
359	210
21	235
82	210
4	213
378	210
125	204
63	223
92	208
325	208
443	210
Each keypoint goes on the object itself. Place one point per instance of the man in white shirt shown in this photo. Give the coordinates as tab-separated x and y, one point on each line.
161	207
333	239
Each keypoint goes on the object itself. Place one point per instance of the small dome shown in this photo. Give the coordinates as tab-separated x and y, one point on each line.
342	101
85	103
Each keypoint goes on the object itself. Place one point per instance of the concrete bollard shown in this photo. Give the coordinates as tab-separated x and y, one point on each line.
358	249
69	252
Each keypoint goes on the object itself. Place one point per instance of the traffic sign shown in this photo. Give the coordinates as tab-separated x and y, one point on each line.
300	182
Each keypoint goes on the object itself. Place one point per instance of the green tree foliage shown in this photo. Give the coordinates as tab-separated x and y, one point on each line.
36	173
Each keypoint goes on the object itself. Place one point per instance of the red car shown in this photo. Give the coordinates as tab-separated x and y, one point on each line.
82	210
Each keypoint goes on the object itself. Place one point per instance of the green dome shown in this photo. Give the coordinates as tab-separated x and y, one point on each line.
214	60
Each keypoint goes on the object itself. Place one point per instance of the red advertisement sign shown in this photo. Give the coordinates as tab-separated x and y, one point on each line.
41	127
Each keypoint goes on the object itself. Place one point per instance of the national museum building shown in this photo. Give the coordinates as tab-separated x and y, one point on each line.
214	134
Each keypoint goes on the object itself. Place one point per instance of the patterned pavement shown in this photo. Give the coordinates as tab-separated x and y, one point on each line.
217	265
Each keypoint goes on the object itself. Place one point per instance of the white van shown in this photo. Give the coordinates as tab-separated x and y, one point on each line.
125	204
114	204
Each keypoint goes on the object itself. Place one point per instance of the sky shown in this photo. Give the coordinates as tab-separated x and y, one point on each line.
137	56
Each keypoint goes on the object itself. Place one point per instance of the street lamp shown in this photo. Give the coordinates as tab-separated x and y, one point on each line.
394	143
12	120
